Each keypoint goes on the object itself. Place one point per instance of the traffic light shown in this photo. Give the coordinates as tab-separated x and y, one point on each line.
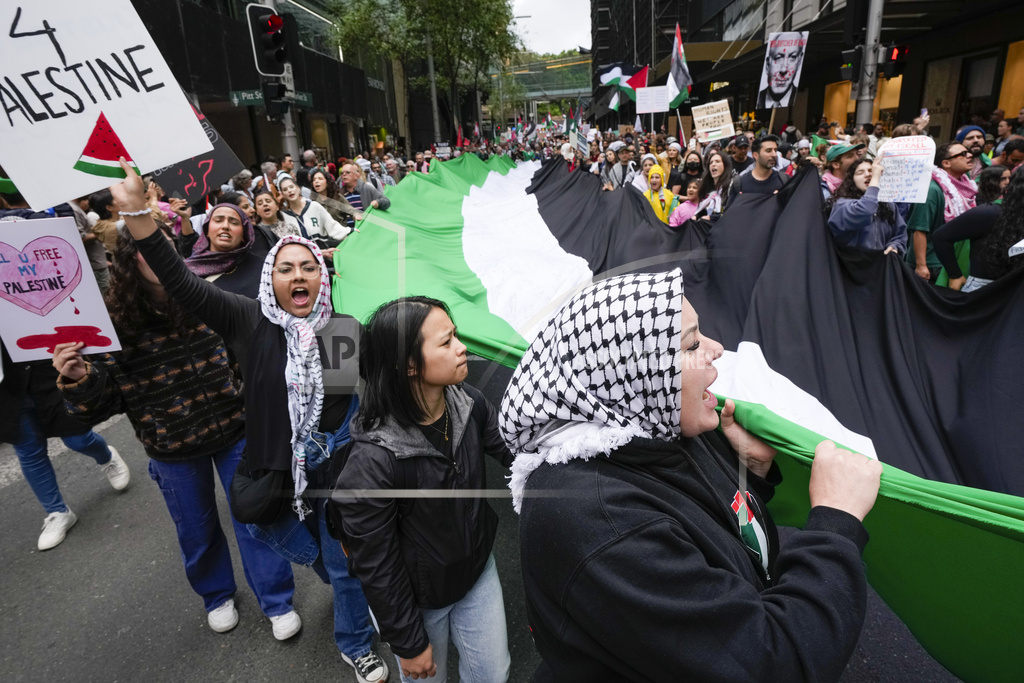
274	98
895	60
852	64
268	39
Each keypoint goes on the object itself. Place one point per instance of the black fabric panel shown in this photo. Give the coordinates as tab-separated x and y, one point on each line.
932	376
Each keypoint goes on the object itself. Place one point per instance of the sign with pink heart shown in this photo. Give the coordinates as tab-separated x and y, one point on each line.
48	292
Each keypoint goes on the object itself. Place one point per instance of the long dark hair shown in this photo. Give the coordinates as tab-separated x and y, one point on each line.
1007	231
708	184
849	190
332	187
988	184
392	341
130	309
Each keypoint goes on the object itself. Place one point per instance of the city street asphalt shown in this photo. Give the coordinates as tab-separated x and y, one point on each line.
111	603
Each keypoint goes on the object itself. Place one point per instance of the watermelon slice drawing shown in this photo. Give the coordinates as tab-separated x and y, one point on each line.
102	151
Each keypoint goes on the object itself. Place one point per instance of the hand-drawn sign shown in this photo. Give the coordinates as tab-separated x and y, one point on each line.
41	275
908	165
81	83
48	295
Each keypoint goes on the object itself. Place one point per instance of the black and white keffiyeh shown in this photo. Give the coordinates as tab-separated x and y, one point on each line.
605	369
303	373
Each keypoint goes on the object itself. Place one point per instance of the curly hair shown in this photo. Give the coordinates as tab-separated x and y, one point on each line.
130	309
988	184
1007	230
848	190
724	183
331	190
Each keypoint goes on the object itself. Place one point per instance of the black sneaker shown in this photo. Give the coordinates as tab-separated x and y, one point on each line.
370	668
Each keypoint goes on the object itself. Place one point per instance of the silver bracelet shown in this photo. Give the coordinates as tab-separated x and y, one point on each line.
143	212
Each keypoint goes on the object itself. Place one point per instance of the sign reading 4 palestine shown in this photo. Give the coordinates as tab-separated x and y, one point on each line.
82	83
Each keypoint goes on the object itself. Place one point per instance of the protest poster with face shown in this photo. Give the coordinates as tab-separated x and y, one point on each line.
48	293
81	84
783	62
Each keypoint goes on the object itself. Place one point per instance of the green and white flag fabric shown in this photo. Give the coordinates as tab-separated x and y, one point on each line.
679	80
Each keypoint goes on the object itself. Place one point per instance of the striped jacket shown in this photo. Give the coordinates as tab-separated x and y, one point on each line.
178	387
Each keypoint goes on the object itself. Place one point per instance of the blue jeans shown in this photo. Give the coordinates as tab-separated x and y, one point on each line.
308	542
188	489
35	461
476	624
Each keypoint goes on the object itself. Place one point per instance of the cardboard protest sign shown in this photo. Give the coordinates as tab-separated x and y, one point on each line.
713	121
908	169
48	293
82	83
442	150
195	178
783	63
652	99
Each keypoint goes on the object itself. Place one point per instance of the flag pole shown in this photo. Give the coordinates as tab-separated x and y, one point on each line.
771	122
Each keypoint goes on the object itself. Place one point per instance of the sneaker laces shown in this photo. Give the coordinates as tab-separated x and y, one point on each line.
368	662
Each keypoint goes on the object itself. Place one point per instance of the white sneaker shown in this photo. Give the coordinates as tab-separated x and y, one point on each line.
224	618
370	668
55	528
286	625
117	471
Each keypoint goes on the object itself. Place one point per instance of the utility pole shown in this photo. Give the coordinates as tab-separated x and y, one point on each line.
868	84
289	141
433	88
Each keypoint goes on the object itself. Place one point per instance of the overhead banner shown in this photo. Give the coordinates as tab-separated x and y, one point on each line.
908	169
652	99
48	293
195	178
783	62
81	84
713	121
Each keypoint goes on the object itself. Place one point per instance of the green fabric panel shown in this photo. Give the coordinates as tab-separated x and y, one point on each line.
945	558
415	248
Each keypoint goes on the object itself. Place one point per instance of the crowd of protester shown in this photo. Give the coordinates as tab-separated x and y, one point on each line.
217	304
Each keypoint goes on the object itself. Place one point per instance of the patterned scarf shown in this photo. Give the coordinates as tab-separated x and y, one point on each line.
303	372
604	370
205	261
831	181
958	192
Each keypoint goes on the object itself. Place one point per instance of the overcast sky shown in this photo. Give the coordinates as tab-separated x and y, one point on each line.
553	25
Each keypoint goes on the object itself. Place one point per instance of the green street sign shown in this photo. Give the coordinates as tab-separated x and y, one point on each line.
254	98
246	98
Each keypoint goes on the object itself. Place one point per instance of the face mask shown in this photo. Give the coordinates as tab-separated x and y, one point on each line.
692	165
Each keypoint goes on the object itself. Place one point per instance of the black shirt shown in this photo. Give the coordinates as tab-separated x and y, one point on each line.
975	225
748	184
741	166
435	434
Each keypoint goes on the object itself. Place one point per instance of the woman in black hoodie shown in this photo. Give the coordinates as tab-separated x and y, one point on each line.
659	562
425	563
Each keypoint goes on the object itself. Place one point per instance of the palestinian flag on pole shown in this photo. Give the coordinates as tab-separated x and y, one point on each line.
617	74
635	82
821	343
679	81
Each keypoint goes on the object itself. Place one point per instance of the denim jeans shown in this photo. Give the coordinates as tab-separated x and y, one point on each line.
308	542
476	624
188	489
35	461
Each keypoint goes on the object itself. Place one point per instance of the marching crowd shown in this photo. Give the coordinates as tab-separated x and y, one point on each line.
637	572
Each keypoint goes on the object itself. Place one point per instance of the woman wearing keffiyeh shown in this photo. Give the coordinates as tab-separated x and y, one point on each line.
647	550
274	340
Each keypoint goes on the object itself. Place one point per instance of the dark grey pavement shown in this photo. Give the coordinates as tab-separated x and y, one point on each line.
112	604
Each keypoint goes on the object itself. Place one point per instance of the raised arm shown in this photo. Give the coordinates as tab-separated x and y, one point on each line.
230	315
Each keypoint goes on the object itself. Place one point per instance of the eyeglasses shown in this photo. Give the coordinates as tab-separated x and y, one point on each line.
964	153
307	269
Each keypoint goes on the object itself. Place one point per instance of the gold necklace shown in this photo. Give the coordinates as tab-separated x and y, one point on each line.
445	432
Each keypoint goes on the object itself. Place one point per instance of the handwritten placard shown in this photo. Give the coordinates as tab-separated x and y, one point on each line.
81	84
48	293
713	121
652	99
908	163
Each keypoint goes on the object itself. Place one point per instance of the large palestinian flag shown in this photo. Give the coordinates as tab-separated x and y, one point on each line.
822	343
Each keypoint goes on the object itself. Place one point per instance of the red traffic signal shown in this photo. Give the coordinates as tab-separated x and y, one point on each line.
268	39
895	60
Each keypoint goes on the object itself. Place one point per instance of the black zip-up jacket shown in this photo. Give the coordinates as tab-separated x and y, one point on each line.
639	573
431	555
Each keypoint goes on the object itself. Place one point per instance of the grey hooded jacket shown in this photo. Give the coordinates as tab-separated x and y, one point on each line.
431	552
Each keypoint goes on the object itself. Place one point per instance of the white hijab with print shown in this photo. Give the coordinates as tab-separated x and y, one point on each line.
303	372
605	369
